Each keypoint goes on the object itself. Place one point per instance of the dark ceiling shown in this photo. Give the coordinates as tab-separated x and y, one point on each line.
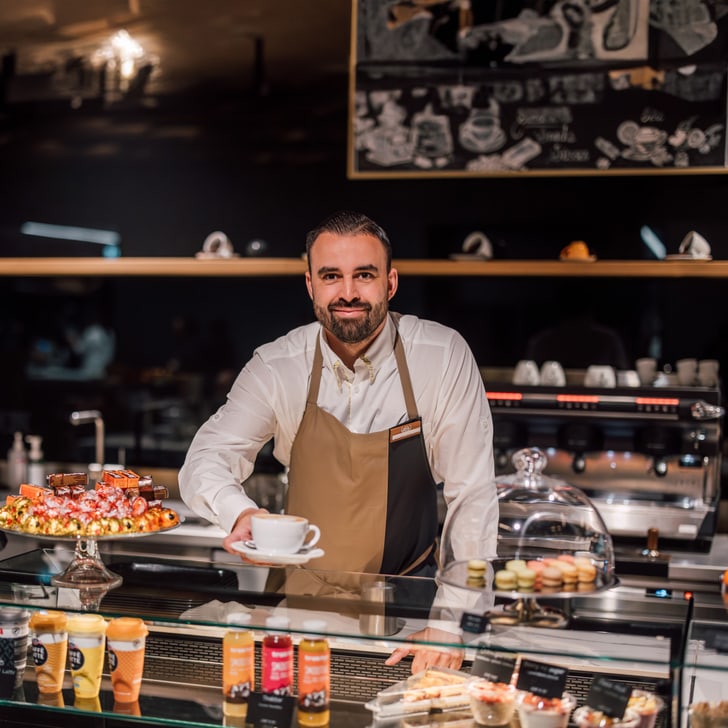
261	44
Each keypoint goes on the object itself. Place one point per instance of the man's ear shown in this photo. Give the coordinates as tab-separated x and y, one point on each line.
309	285
392	283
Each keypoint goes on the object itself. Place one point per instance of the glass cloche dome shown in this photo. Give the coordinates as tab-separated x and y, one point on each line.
542	516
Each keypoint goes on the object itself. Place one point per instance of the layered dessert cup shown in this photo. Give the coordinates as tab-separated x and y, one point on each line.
535	711
492	703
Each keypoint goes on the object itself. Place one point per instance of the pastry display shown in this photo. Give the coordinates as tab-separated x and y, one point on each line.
709	714
536	711
586	717
492	703
121	503
647	705
432	689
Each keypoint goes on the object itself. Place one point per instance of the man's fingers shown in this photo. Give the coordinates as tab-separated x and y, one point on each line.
399	654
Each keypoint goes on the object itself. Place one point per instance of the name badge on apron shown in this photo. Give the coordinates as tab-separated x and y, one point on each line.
402	432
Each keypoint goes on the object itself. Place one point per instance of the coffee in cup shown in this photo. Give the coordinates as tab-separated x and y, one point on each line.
125	641
282	533
49	648
86	638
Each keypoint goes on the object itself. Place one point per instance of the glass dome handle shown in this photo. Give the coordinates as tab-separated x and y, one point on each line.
529	461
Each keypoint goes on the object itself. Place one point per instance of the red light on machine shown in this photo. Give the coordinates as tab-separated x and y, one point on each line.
688	595
658	401
505	395
581	398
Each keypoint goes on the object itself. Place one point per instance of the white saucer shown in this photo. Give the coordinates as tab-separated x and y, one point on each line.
687	256
301	557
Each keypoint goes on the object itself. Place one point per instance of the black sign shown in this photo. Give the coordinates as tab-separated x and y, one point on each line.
608	696
493	667
538	678
476	623
266	709
717	641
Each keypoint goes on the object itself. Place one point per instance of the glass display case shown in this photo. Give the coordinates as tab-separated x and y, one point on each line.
620	635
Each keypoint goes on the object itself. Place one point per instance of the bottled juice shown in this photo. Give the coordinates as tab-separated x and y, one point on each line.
277	658
314	675
238	665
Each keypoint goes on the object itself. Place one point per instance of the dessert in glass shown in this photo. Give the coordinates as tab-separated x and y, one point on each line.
648	705
536	711
588	717
492	703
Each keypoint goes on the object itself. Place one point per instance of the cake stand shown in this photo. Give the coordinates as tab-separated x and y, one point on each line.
86	571
523	607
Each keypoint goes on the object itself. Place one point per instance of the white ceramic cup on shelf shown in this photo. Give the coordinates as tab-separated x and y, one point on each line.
526	372
552	374
598	375
687	372
282	533
646	370
708	372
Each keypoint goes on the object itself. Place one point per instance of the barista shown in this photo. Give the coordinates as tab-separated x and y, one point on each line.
368	409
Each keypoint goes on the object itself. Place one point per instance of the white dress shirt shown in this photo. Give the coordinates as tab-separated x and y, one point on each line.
268	398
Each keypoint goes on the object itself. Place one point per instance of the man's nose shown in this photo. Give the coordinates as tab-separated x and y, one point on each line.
349	290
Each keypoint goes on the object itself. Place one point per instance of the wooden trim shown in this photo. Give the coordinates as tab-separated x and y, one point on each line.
247	267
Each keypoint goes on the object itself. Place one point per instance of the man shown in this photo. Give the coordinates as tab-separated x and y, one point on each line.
364	407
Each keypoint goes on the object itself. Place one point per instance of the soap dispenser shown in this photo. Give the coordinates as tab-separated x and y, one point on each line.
36	466
17	463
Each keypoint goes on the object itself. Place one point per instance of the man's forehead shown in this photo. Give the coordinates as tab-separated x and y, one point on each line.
348	251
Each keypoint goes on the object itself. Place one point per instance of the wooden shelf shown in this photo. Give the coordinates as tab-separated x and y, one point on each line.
261	267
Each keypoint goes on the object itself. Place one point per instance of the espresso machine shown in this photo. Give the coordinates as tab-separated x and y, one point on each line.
649	458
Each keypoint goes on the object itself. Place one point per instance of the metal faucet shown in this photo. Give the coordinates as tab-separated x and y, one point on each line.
83	417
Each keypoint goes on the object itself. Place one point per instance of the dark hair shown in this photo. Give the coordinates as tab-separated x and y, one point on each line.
345	222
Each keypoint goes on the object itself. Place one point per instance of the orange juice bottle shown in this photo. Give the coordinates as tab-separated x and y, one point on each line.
314	675
238	665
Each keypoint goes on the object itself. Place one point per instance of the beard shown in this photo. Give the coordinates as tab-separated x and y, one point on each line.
352	331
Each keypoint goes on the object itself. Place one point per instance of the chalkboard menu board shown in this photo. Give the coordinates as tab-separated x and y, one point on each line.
479	87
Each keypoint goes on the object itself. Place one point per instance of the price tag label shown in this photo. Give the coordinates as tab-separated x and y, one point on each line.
538	678
493	667
475	623
608	696
266	709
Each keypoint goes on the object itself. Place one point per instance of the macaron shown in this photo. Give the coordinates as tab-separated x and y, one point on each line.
505	580
515	564
526	579
476	569
569	573
551	577
586	573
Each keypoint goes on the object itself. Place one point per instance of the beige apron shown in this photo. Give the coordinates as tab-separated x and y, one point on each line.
372	495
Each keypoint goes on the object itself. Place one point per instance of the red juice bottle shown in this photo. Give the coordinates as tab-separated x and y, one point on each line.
277	658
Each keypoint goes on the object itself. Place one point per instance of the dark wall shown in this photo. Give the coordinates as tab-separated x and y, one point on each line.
270	168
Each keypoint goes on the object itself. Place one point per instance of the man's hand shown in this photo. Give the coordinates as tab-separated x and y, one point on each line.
241	530
429	655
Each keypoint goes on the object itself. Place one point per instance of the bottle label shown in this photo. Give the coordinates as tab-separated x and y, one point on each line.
238	670
277	674
314	681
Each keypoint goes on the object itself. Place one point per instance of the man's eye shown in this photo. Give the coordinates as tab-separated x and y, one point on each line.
365	275
329	276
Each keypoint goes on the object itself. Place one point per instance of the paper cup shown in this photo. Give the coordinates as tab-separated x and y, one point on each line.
49	648
126	641
86	638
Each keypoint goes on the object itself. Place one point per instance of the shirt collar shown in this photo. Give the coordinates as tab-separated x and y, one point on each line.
368	364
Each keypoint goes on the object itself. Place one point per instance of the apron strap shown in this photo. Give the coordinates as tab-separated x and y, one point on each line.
318	364
418	561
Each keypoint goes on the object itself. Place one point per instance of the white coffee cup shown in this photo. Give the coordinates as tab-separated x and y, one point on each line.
598	375
552	374
708	372
687	372
646	370
282	533
526	372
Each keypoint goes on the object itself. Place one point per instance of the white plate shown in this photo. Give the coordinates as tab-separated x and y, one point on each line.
301	557
686	256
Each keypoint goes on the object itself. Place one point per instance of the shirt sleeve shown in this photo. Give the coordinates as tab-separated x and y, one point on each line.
461	444
223	452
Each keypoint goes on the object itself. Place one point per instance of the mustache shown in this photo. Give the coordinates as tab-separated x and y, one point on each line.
355	304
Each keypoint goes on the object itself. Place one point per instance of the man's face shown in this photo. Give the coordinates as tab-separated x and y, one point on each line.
349	285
